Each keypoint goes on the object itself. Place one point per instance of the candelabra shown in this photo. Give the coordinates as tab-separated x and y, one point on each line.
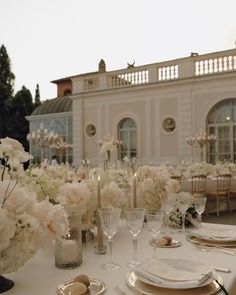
61	145
39	137
45	139
108	145
202	139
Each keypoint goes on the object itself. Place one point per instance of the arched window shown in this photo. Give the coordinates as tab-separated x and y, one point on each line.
221	122
127	133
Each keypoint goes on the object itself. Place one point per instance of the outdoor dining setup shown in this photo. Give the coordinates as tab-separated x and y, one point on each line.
117	228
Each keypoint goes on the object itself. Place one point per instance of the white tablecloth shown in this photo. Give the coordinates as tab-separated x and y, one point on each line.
40	277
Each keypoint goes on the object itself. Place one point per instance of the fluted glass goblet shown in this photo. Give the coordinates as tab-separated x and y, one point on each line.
110	218
134	218
154	222
199	205
182	209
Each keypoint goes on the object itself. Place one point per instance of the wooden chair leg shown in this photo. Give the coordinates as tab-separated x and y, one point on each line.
229	205
217	206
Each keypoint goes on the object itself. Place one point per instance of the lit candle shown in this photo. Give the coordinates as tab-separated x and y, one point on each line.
69	250
134	205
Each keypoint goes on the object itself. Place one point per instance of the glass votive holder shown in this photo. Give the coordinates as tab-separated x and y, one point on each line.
68	249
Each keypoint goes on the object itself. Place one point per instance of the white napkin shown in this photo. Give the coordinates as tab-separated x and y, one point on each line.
174	273
208	232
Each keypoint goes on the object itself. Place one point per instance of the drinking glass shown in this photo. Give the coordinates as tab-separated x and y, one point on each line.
134	218
166	206
199	204
183	208
154	220
110	218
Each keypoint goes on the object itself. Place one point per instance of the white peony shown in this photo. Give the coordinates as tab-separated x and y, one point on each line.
7	228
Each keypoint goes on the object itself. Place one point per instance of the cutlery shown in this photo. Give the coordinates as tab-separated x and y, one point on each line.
208	248
221	269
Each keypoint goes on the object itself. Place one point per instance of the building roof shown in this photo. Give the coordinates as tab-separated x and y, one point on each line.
55	105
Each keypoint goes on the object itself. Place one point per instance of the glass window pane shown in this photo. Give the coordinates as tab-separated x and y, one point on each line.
127	134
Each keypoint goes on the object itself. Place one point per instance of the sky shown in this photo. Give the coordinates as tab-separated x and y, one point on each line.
52	39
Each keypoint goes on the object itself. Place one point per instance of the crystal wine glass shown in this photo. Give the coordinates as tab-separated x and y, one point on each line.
199	204
154	220
110	218
134	218
183	206
167	205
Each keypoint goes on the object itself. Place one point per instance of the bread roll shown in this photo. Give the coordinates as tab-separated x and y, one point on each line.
82	279
77	288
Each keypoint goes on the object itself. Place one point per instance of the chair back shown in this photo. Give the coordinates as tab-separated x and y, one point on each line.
223	182
199	183
178	178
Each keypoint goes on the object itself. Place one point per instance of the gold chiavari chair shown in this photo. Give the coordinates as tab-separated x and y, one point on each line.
222	192
178	178
198	184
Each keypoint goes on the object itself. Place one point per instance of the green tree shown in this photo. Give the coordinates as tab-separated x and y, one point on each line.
37	101
6	90
21	106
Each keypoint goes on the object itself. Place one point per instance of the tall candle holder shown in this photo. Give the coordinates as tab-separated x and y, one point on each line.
100	248
202	139
134	201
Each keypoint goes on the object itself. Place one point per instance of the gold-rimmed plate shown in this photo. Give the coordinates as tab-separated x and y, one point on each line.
206	242
146	289
173	244
97	287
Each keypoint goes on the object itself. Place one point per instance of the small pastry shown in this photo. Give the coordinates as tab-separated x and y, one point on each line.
77	288
163	242
168	238
82	279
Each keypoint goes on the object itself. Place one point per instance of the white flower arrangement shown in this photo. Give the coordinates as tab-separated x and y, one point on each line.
173	203
26	224
108	145
113	195
151	186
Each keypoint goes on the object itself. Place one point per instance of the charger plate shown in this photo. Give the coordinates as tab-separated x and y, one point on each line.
206	242
146	289
96	287
173	244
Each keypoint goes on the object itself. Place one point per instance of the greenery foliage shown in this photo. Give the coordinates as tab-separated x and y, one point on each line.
14	108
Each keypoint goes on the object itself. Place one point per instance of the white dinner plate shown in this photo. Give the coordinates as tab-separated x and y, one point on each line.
214	233
147	289
208	242
174	286
174	273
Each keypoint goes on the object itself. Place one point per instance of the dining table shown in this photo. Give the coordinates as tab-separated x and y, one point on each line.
40	276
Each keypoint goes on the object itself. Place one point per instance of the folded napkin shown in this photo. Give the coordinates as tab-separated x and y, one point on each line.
208	232
174	273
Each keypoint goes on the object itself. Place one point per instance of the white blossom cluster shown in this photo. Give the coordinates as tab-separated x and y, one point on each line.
26	224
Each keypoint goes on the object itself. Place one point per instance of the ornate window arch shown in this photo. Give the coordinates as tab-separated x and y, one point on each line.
127	133
221	121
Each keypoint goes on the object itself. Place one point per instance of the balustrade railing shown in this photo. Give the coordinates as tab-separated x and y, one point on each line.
215	65
188	67
130	78
168	72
